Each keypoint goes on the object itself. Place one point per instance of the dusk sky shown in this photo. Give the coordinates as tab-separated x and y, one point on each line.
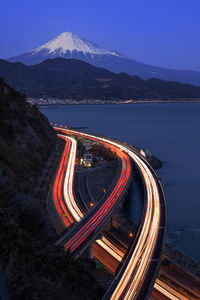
158	32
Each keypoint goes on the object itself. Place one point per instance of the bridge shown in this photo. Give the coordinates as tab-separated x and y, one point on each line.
139	266
86	229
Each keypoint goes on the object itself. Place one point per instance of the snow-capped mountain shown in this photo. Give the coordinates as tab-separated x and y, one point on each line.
70	45
71	42
67	45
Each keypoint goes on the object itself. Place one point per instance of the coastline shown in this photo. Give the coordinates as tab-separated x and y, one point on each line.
55	105
162	119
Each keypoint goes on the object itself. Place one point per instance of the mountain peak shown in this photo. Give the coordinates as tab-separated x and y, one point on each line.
70	45
70	42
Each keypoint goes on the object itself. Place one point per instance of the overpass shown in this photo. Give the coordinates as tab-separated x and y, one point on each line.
110	254
139	266
86	229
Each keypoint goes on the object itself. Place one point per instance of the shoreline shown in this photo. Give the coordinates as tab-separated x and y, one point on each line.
173	258
56	105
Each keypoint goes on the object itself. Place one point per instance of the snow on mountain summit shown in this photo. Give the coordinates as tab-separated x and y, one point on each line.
69	45
69	41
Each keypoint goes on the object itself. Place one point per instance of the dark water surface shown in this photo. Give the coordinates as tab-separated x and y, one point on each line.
172	133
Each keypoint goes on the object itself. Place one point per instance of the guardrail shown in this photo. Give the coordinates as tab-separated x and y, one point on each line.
150	266
57	222
156	257
90	213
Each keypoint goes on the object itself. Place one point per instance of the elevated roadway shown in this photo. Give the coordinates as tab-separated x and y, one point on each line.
139	267
111	255
82	233
161	287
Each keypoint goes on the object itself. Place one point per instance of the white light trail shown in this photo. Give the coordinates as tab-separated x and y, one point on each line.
68	183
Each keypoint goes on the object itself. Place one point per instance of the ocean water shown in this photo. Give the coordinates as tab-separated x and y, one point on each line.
172	133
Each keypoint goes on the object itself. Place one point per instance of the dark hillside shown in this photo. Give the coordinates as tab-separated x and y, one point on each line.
33	267
25	137
76	79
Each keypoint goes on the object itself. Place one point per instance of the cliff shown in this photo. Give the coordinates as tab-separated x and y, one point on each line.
26	138
33	267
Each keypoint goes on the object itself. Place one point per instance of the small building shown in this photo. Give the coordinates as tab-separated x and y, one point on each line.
87	144
87	160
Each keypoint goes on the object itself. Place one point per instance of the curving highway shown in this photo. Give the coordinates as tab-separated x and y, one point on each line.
58	184
162	287
63	194
93	222
140	264
140	257
68	182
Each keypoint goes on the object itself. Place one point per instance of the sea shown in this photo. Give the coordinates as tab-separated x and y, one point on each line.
171	131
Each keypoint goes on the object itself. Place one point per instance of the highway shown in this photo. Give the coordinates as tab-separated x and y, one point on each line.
141	261
58	184
63	195
108	247
140	264
68	182
63	186
93	222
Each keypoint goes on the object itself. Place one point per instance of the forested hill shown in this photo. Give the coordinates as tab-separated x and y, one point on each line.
75	79
33	267
26	138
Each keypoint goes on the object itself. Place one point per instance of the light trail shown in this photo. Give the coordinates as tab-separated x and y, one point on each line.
161	286
132	278
104	209
110	248
57	188
68	182
141	256
63	185
152	194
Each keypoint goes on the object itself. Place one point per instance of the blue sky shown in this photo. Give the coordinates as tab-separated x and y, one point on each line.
158	32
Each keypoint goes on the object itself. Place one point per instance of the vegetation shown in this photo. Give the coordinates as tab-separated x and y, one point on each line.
25	138
75	79
33	267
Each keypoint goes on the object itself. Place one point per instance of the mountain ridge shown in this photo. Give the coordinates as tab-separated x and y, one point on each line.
69	45
75	79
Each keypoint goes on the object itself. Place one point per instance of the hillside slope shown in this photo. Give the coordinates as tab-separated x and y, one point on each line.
33	267
75	79
26	138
